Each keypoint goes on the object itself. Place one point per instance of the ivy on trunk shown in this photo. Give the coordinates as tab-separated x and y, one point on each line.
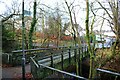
32	25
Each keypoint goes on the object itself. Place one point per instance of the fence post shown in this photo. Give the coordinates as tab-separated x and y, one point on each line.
35	72
51	57
82	52
75	54
85	51
33	68
78	61
11	59
31	65
62	60
69	56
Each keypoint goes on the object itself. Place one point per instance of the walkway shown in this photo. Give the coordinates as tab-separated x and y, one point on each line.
14	72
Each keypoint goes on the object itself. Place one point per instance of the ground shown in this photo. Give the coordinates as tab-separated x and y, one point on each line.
106	60
15	73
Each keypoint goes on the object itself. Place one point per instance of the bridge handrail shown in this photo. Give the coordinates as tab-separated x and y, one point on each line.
34	62
41	53
47	50
63	72
53	69
109	72
29	50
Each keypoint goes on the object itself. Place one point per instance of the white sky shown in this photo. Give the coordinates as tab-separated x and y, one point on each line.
81	15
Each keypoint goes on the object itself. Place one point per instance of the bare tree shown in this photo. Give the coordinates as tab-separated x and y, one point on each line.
114	18
71	20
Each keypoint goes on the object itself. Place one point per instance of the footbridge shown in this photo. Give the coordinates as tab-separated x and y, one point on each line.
54	63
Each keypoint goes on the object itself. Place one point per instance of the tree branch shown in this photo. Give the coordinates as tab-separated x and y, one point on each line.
104	9
109	23
10	16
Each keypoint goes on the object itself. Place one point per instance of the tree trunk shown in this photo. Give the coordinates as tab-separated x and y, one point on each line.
88	41
74	32
32	25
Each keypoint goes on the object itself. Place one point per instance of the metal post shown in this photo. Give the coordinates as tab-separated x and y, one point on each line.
51	60
79	65
51	57
85	51
23	57
62	60
82	52
75	54
69	56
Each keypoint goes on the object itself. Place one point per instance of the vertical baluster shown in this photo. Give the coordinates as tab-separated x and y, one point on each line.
85	51
39	71
62	60
75	54
82	53
78	61
51	59
36	72
69	56
36	69
31	66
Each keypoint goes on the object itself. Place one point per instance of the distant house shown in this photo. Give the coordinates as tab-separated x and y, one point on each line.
27	13
27	20
100	38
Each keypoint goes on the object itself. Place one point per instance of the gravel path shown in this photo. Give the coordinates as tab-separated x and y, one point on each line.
13	72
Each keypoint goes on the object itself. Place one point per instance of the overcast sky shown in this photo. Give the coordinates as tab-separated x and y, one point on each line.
5	5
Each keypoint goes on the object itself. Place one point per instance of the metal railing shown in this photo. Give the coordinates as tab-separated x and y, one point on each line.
39	70
34	67
55	72
43	53
40	52
110	74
